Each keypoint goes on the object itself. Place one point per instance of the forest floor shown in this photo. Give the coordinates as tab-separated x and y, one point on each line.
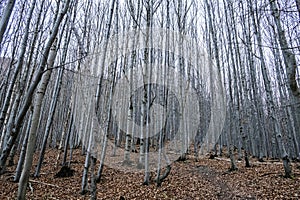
190	179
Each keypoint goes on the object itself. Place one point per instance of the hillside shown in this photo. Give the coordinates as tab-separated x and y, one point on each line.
204	179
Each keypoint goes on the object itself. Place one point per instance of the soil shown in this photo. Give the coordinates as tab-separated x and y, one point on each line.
189	179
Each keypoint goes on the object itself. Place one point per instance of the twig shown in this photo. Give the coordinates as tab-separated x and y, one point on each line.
31	188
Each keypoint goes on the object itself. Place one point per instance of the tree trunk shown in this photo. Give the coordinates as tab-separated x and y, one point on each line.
18	67
5	18
298	6
107	36
23	151
93	179
129	140
88	156
49	121
67	140
269	94
28	97
288	56
34	125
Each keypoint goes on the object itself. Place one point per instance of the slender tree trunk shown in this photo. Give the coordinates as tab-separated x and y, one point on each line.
34	125
288	56
237	82
93	179
270	101
5	18
298	6
28	97
18	67
53	104
258	119
49	121
23	152
129	140
107	36
67	140
233	166
10	91
147	74
88	156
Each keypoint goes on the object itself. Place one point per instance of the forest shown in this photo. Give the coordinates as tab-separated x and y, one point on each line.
149	99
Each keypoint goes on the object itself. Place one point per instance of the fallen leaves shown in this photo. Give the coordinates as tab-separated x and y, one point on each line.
205	179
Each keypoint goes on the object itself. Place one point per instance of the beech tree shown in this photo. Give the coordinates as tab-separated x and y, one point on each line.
62	64
34	125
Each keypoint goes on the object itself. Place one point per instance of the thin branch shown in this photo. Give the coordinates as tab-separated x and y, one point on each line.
48	184
67	63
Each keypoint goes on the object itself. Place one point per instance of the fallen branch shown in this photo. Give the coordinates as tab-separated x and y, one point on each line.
267	162
48	184
267	174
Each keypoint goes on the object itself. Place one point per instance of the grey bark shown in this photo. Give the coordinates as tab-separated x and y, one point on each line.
298	6
84	188
93	179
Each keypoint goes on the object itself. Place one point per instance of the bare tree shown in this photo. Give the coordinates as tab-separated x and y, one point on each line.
270	95
106	40
34	125
5	17
29	95
288	56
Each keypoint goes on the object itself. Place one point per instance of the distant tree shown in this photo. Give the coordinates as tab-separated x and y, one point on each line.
112	76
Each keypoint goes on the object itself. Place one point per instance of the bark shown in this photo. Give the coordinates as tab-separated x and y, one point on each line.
161	150
298	6
233	166
93	179
67	140
181	22
84	189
